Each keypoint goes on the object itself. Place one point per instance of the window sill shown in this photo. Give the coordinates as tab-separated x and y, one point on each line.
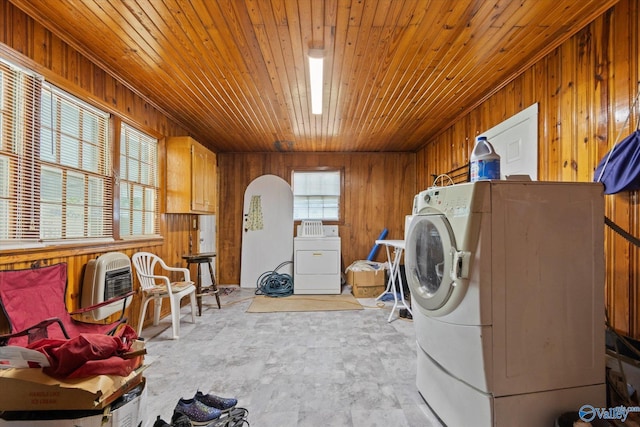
14	255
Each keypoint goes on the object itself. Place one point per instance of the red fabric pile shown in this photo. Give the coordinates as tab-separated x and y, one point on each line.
88	354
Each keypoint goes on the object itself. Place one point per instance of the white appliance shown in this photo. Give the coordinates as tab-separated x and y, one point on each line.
507	287
105	278
316	259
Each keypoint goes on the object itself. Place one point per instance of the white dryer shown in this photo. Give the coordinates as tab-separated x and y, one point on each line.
507	287
316	251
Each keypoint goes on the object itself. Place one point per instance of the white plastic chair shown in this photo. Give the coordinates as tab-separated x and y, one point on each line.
156	287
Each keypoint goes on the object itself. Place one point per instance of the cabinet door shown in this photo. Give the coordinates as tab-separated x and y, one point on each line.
211	183
199	178
191	177
203	180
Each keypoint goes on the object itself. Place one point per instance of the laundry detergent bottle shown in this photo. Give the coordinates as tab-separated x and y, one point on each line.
485	162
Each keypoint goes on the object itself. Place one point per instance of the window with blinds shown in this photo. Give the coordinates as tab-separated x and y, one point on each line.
76	190
19	165
316	195
55	164
138	184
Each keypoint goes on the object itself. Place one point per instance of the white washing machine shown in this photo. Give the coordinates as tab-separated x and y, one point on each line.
507	287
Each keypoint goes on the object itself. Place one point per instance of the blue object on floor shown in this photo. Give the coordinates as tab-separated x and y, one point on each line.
375	247
389	296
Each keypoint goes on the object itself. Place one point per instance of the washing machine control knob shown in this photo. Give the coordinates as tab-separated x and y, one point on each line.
427	198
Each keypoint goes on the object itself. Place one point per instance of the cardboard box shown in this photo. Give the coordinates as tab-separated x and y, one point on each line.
130	412
32	390
368	283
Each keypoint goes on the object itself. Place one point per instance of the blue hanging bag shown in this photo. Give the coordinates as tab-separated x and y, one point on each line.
619	170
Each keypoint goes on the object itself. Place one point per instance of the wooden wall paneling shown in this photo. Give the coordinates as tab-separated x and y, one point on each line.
633	14
567	111
621	94
553	143
375	184
585	85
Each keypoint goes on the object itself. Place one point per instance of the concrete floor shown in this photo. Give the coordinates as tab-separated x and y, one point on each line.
334	368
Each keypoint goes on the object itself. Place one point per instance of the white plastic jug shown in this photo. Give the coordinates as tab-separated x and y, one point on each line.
485	162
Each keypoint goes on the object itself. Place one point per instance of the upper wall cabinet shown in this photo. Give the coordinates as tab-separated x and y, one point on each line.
191	177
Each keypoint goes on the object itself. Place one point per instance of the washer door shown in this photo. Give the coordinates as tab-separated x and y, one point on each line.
434	267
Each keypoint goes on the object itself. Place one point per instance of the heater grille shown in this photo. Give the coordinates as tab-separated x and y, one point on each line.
109	276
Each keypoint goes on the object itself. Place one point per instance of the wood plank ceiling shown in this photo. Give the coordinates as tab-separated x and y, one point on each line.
235	72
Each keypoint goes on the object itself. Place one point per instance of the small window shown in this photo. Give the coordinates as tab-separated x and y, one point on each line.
139	184
75	160
316	195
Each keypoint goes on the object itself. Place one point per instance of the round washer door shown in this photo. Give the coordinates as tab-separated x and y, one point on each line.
428	263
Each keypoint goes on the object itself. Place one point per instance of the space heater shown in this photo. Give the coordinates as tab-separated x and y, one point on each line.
106	277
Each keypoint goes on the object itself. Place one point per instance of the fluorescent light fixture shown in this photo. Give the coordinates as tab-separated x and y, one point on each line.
316	63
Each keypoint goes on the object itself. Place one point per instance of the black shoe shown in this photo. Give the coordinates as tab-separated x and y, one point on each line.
161	423
180	420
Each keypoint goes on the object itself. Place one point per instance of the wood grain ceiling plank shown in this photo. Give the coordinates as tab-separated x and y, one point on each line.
364	59
340	52
101	35
241	19
149	50
440	34
187	88
277	68
540	51
298	40
226	87
458	57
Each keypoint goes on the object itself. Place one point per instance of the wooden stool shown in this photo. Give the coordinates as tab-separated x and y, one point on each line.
198	260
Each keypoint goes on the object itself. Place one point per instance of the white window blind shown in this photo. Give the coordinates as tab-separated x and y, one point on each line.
76	191
316	195
19	166
138	184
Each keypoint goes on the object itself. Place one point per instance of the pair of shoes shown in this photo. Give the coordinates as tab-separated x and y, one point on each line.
197	412
225	404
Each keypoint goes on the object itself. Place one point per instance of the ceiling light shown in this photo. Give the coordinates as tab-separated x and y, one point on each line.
316	63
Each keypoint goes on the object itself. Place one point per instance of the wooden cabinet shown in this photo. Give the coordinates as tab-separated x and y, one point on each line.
191	177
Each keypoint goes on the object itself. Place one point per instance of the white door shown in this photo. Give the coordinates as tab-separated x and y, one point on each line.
267	229
516	141
207	243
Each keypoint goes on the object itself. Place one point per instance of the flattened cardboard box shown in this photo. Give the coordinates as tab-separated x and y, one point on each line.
32	390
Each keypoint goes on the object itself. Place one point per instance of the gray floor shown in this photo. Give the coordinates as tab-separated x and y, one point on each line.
336	368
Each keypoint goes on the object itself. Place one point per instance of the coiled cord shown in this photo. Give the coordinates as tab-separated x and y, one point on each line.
274	284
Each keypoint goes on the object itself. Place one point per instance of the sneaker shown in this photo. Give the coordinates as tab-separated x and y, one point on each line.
180	420
213	401
197	412
235	417
161	423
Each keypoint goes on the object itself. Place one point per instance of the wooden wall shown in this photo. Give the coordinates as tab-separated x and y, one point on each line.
585	90
378	193
27	43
